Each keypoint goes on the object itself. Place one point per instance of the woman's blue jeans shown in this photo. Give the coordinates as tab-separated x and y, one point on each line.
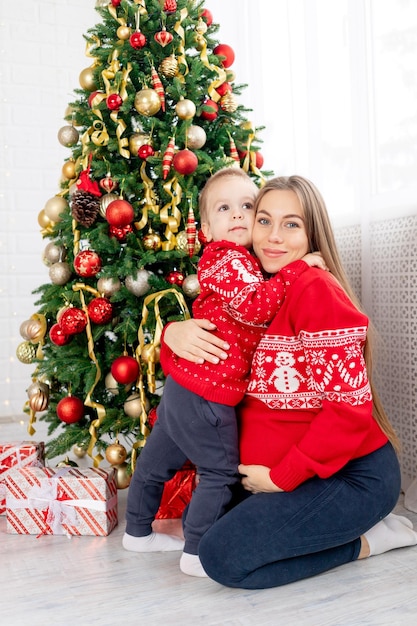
271	539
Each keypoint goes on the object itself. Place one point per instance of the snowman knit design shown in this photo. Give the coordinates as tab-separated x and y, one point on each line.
235	296
305	365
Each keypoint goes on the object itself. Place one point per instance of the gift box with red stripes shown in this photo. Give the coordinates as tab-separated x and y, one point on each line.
18	454
62	501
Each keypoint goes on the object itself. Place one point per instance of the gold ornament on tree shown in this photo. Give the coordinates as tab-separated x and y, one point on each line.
196	137
191	286
123	476
185	109
147	102
182	243
80	450
152	241
60	273
26	352
169	66
116	453
54	207
87	79
53	253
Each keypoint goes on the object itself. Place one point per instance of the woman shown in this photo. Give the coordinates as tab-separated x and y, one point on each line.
318	459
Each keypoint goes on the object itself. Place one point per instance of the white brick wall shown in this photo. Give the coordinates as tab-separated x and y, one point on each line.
42	54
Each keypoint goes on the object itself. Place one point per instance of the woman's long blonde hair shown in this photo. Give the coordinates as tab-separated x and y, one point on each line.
321	238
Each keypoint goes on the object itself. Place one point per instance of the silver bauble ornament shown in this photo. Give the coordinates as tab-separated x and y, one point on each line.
68	136
196	137
191	286
108	286
139	284
60	273
53	253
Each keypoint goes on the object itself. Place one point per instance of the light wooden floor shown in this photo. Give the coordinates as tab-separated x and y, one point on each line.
84	581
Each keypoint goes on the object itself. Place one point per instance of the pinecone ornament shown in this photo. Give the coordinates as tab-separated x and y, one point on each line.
85	207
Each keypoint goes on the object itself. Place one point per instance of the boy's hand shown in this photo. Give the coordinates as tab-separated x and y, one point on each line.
314	259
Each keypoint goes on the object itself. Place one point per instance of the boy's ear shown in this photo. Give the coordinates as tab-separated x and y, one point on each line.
206	232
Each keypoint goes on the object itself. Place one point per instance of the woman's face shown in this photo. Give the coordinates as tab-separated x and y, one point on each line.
279	234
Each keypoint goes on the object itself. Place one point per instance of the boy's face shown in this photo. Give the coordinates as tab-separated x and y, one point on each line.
231	213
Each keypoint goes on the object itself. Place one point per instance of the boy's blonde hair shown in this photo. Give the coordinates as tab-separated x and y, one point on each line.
224	173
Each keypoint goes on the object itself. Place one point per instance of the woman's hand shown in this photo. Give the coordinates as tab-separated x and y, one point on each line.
192	340
256	479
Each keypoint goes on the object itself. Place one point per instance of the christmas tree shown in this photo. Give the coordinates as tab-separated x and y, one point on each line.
156	114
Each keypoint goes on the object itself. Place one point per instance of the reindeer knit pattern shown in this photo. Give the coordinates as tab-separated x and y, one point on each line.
309	387
235	296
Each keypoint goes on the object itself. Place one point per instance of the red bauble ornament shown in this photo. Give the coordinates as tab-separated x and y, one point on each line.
70	409
72	321
92	96
170	6
119	213
87	263
259	160
175	278
224	88
100	310
114	102
163	37
152	417
120	233
207	16
125	370
226	51
210	110
57	335
146	151
185	162
137	40
116	3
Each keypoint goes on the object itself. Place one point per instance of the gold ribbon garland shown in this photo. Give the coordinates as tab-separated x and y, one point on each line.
150	201
215	84
101	411
182	60
173	189
151	347
155	298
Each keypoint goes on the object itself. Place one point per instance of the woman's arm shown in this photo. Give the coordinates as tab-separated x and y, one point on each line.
192	340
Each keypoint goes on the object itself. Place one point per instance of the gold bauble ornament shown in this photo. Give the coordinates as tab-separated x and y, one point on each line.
136	141
105	201
169	66
228	102
133	406
182	244
122	476
185	109
68	136
87	80
108	286
43	220
201	27
152	241
69	170
80	450
146	354
66	463
32	330
54	207
147	102
116	453
123	32
37	387
112	386
196	137
60	273
53	253
39	402
191	286
26	352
